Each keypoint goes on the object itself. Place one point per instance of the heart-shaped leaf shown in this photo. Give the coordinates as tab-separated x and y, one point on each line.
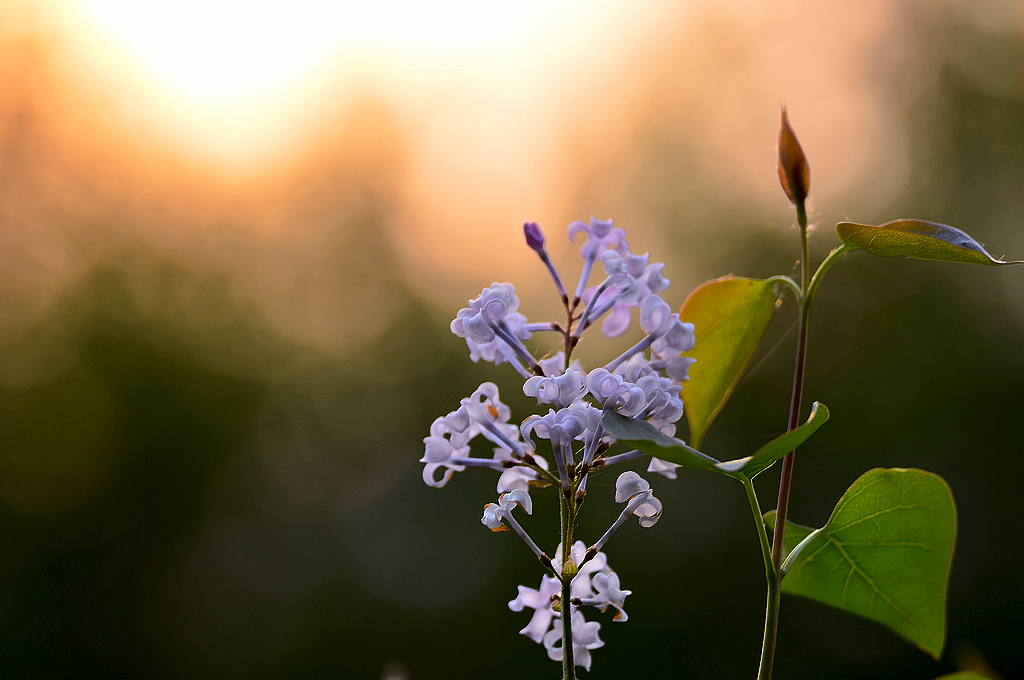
918	239
729	317
885	554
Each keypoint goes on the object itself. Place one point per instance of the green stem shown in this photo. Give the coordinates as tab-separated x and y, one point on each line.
825	265
789	283
566	576
801	220
755	507
771	629
771	576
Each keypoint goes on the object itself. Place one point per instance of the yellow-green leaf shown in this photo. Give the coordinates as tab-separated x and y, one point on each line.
729	317
917	239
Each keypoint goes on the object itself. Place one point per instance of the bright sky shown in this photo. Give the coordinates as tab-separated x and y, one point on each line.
221	70
228	48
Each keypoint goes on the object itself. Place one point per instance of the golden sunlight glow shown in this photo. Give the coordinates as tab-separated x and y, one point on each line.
233	75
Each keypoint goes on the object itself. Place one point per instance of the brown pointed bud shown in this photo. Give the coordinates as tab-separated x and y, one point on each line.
794	173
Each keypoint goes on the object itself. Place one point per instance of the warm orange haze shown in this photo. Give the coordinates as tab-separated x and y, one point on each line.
472	118
233	234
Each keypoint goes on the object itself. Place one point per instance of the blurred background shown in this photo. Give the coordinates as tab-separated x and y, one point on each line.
232	236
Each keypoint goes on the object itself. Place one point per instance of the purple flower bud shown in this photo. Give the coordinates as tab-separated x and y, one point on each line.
534	236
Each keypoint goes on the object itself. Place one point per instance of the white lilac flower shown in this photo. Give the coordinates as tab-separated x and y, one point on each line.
636	367
677	338
630	279
663	467
494	513
564	425
600	236
632	489
662	398
493	329
584	638
607	593
442	452
555	365
497	515
620	286
656	317
446	450
561	390
667	350
484	405
561	428
488	416
540	601
615	392
594	584
676	367
478	321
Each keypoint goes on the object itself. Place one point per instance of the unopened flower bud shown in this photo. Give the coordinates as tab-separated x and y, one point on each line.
794	173
534	236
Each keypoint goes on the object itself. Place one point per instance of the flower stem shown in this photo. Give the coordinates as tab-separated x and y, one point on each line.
566	576
771	613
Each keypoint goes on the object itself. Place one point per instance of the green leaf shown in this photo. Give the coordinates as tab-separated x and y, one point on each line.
645	437
917	239
766	456
884	554
964	675
729	317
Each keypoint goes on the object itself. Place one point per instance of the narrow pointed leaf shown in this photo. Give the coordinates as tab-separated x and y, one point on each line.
645	437
766	456
885	554
729	317
917	239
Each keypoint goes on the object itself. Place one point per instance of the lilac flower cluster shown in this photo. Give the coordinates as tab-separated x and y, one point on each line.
643	382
